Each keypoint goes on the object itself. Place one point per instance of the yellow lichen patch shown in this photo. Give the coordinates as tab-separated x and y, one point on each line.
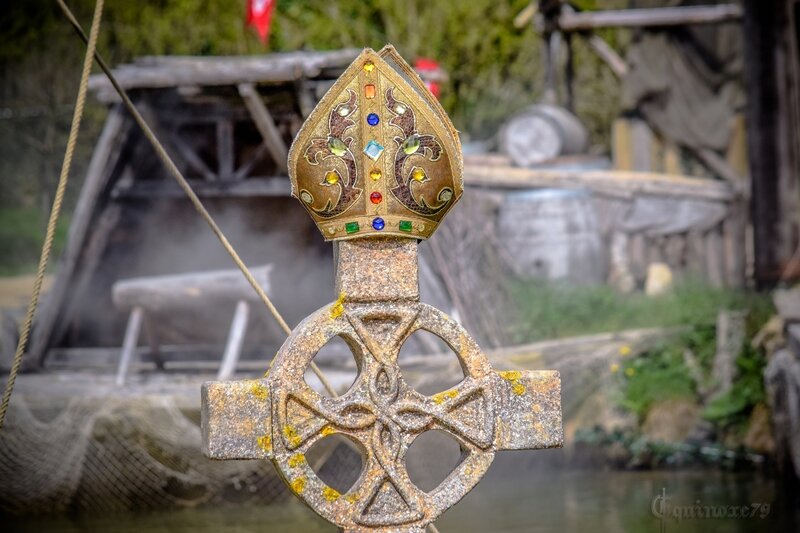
298	485
352	498
337	308
513	377
328	430
440	397
614	367
331	494
259	391
265	443
510	375
630	371
296	460
625	350
536	408
291	435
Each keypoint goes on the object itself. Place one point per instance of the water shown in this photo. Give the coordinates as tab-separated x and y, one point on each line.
511	498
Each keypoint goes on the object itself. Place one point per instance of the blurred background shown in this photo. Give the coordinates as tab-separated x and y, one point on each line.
630	218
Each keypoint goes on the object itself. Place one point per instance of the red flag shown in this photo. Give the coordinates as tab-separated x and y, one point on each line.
259	16
431	73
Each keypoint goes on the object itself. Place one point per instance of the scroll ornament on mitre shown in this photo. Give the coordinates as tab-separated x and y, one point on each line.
378	156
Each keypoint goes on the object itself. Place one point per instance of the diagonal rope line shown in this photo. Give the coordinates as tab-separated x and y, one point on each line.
44	258
167	160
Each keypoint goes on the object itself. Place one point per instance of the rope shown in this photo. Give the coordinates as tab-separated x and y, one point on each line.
47	247
165	158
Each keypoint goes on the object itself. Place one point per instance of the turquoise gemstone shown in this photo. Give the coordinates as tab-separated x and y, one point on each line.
373	150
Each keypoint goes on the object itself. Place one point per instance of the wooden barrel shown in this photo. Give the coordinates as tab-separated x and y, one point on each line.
552	234
542	132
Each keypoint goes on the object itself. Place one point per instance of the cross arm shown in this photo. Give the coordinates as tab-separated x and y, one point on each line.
235	419
529	412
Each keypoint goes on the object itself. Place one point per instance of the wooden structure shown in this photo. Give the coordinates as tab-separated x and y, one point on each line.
226	122
696	226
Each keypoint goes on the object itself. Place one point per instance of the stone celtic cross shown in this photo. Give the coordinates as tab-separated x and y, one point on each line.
377	165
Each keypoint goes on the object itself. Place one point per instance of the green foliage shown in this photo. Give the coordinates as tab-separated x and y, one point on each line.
654	377
21	236
734	407
549	310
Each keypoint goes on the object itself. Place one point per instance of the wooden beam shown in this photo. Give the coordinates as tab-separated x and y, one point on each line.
187	154
610	56
245	188
639	18
225	149
265	124
129	344
615	183
233	347
105	157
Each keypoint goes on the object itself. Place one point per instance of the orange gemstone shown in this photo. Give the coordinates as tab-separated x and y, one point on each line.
369	91
375	197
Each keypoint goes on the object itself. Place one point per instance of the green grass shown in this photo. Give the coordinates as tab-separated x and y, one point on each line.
548	310
21	237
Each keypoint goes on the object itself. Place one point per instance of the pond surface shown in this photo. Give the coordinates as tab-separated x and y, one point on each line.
513	497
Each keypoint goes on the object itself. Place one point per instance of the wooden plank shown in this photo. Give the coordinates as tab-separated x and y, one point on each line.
163	293
177	71
225	149
105	157
247	188
734	231
129	345
233	347
715	258
244	170
265	124
614	183
654	17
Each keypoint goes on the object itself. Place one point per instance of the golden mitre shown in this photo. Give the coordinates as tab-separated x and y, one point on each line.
378	156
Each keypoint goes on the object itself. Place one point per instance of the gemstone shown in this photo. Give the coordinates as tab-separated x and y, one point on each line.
400	109
306	197
344	111
421	227
332	177
351	227
445	195
375	174
369	91
373	119
369	66
332	230
405	225
375	197
373	150
378	223
336	146
411	144
418	174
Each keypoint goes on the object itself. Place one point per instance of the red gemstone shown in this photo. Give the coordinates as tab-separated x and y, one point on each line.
376	197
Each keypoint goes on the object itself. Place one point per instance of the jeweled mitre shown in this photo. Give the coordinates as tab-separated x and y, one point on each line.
378	155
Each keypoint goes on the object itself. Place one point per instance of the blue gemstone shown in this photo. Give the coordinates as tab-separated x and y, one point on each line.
378	223
373	150
372	119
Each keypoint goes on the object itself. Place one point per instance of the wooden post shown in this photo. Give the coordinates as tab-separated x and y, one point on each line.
233	348
265	124
772	141
129	344
106	154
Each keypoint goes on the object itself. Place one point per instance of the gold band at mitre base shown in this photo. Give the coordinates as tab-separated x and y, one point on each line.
378	156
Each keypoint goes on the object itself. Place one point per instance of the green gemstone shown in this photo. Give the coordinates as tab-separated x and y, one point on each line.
411	144
351	227
405	225
336	146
